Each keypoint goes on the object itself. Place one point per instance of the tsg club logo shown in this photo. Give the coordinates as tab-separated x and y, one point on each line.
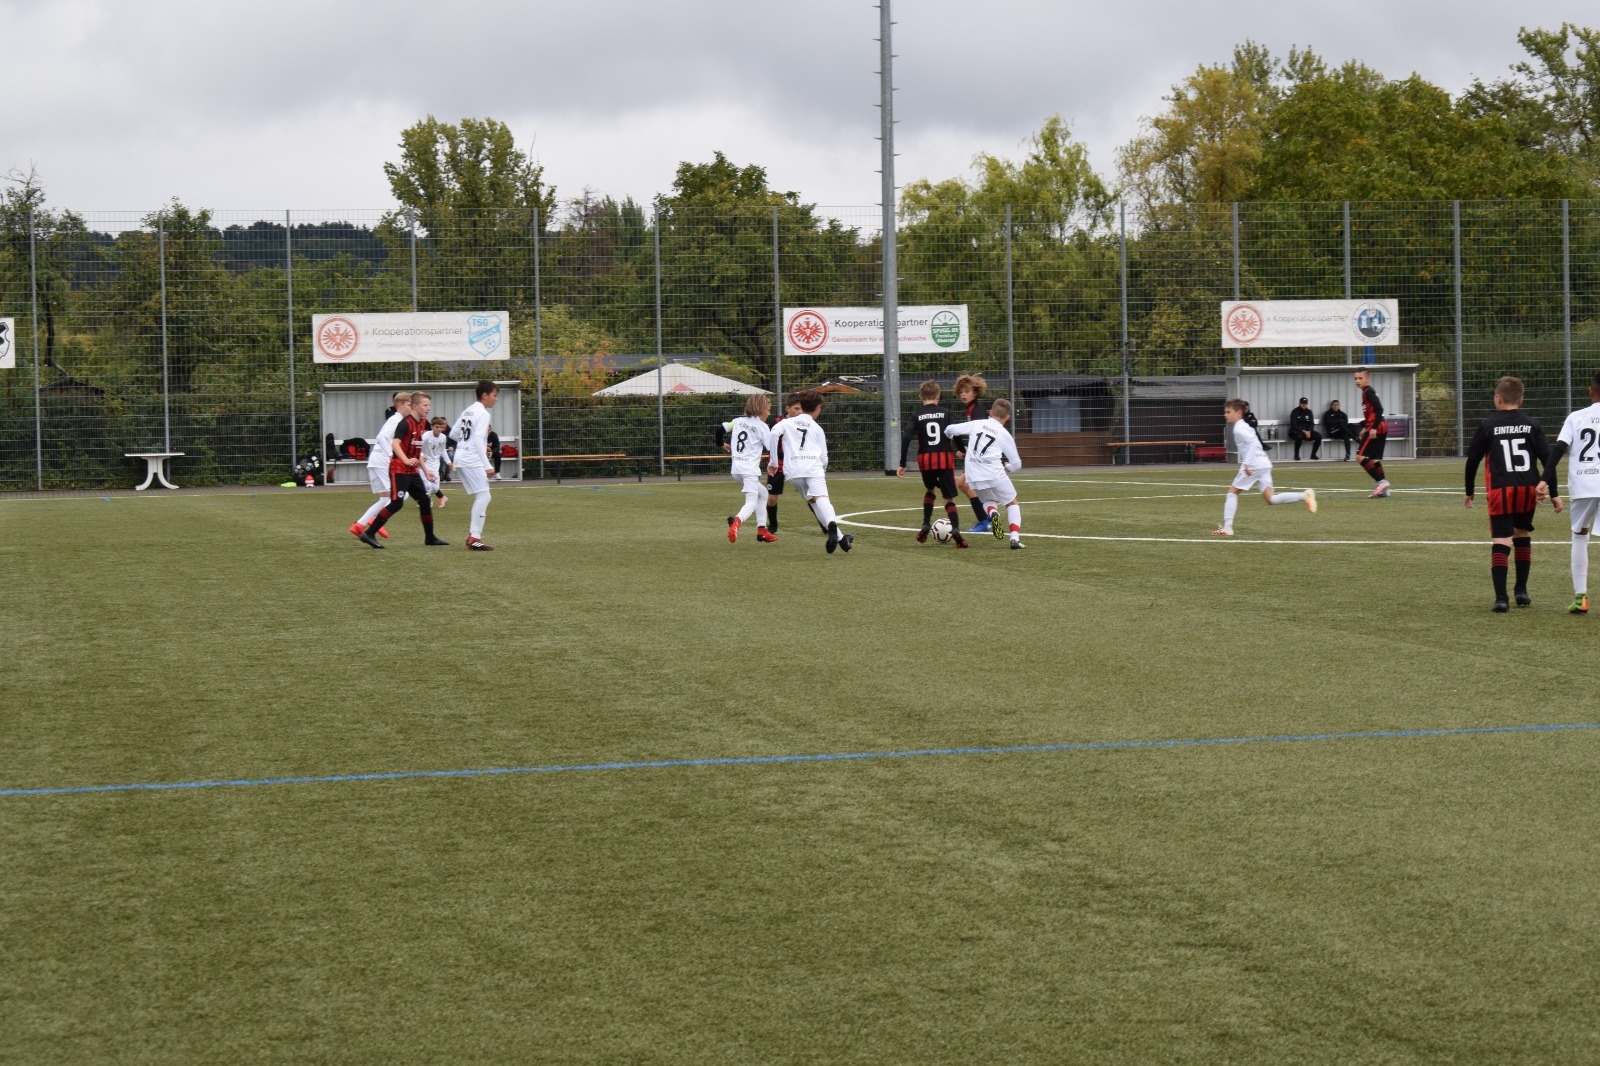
338	338
1243	324
1372	322
808	331
483	334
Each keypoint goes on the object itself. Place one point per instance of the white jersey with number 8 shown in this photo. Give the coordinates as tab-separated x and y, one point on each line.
747	439
1581	434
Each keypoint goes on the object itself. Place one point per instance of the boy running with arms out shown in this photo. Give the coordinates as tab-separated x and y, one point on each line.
804	450
471	433
936	458
1374	434
405	474
1514	445
748	436
1254	468
1580	436
378	464
991	457
969	392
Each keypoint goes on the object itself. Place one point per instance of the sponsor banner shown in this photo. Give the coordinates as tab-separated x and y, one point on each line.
412	337
1310	323
8	343
859	330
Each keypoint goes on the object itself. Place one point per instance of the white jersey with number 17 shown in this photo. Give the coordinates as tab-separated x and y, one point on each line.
1581	434
471	432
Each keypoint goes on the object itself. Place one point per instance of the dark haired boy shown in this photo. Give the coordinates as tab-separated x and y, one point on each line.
1515	447
471	433
1580	434
974	408
1374	435
804	448
936	458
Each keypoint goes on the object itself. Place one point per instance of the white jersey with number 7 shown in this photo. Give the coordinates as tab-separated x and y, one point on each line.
805	446
991	453
471	432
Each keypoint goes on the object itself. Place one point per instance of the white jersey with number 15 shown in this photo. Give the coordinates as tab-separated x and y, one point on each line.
471	432
1581	434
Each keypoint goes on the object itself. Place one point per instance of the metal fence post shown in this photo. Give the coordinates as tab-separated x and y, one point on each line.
538	340
777	318
166	392
38	416
891	267
1011	325
288	284
1566	295
1238	353
412	219
661	363
1122	254
1349	352
1461	442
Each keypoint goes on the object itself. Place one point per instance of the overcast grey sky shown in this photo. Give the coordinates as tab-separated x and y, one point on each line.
243	104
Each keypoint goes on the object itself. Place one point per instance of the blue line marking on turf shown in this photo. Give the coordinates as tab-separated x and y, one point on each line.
756	760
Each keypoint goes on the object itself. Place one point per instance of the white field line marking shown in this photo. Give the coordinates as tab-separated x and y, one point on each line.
1224	486
846	520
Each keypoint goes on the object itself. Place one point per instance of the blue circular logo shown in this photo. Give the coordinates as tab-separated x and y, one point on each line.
1372	322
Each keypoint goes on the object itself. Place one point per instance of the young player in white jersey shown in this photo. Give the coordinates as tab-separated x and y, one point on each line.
378	464
435	449
471	433
805	463
748	436
1580	436
991	459
1254	469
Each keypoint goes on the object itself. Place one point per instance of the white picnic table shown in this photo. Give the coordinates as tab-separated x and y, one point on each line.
155	467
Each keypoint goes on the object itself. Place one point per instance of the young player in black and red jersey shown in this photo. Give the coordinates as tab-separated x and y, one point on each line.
1515	448
791	407
1374	433
936	458
969	391
405	474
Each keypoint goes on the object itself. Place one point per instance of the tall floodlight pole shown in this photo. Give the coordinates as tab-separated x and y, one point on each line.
891	283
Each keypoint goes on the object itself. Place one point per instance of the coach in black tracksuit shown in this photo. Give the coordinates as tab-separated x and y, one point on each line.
1336	424
1303	427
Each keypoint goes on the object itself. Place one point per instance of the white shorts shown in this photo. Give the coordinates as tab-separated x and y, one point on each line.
378	478
999	492
809	488
431	477
1245	482
473	479
749	481
1582	511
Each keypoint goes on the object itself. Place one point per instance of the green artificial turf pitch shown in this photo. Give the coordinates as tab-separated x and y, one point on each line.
1417	899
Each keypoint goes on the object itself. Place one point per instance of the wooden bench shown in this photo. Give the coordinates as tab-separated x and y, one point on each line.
1127	447
558	461
155	467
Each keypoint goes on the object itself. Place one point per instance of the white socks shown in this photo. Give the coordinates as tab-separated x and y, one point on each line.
480	508
1287	497
824	511
1230	507
755	503
1013	519
372	512
1580	564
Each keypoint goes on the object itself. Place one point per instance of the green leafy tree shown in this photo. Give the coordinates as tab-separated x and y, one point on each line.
57	238
475	196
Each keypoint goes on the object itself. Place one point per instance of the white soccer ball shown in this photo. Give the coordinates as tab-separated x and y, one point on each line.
943	532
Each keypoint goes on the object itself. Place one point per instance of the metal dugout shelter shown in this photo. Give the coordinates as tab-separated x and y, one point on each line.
355	410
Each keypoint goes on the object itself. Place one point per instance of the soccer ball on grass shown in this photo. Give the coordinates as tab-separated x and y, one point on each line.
943	532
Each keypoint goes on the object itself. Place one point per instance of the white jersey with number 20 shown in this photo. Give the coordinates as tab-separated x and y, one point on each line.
471	432
1581	434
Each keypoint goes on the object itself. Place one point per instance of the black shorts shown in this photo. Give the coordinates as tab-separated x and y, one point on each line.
1372	447
943	480
1502	526
400	485
775	484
